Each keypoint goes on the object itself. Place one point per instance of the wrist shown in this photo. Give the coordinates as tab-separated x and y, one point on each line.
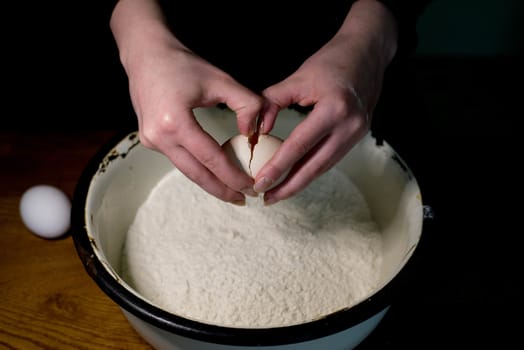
364	45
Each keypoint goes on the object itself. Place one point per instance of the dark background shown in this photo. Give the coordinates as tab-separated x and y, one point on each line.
455	119
465	148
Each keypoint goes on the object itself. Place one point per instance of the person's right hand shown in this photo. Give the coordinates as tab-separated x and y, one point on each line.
167	81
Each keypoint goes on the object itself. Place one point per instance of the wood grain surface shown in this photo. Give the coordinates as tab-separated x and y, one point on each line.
47	300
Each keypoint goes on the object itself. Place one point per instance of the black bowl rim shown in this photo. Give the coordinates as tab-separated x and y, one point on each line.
328	325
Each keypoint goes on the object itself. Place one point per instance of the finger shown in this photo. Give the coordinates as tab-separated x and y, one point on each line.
211	155
279	96
268	116
184	131
245	103
199	174
321	158
287	92
301	140
326	154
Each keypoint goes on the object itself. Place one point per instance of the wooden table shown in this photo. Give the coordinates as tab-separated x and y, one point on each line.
47	300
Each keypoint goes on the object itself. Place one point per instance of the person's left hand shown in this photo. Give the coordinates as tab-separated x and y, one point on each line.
342	81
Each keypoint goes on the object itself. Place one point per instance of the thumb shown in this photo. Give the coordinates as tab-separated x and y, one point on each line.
245	103
278	97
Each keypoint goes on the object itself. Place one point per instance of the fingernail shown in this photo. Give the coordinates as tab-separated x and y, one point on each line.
253	127
249	191
239	202
263	184
270	200
261	127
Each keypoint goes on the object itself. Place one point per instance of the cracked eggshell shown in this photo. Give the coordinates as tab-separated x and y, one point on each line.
239	149
266	146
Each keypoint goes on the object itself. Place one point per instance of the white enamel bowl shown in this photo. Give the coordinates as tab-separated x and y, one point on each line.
121	175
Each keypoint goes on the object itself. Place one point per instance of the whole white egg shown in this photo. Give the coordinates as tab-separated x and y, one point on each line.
46	211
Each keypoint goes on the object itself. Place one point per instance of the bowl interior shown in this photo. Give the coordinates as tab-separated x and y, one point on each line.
129	171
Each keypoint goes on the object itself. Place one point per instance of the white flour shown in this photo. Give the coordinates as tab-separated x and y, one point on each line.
253	266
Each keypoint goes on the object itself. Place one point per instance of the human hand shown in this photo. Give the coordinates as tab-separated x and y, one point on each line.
166	82
342	81
164	93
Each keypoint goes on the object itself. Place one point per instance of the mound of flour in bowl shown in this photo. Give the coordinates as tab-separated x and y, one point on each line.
253	266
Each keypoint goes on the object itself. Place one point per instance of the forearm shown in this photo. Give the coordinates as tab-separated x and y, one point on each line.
139	27
362	49
374	27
